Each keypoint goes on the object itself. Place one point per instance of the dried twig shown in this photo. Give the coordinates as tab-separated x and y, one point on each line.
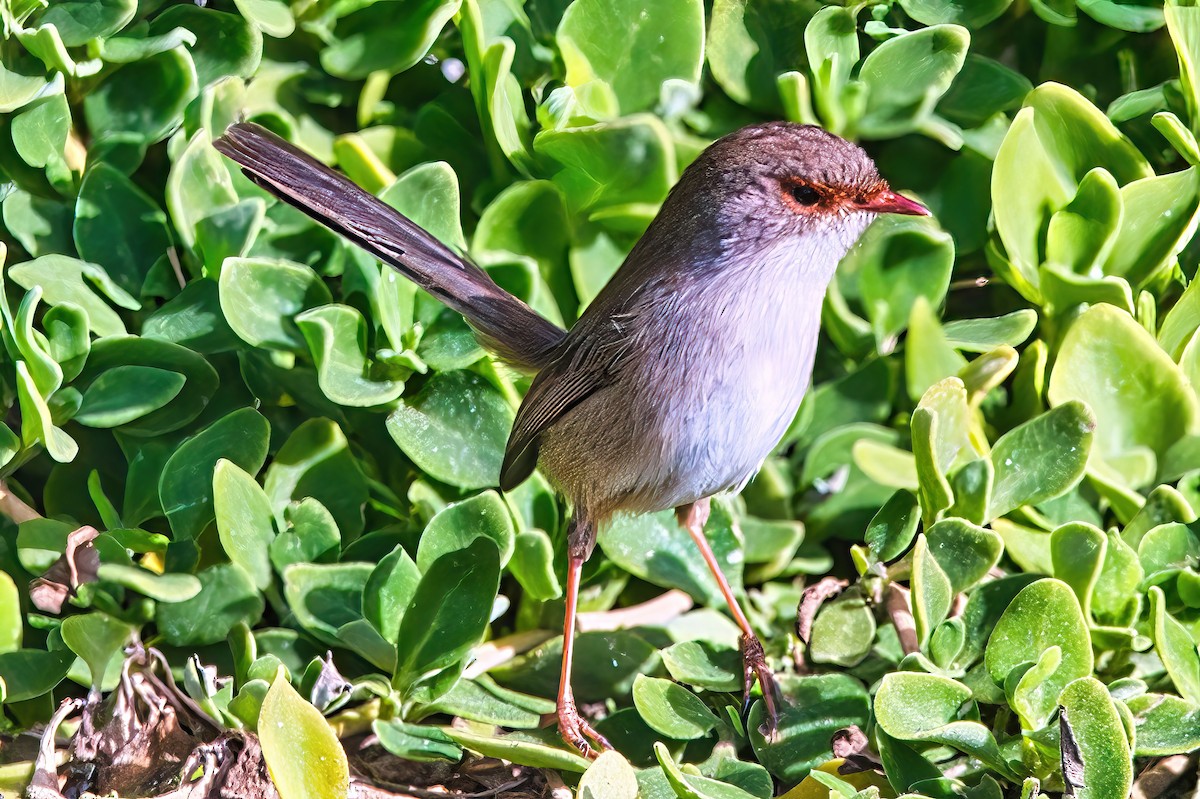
660	610
14	507
1154	781
900	611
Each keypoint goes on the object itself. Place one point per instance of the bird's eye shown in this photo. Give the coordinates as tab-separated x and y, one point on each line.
805	195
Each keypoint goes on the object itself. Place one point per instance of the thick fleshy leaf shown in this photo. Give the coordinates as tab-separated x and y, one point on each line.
655	548
1045	614
245	523
261	298
455	527
186	485
814	708
672	30
1142	414
447	617
1041	459
302	752
454	428
1095	747
671	709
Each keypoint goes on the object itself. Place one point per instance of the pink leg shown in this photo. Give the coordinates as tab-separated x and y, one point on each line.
574	729
754	661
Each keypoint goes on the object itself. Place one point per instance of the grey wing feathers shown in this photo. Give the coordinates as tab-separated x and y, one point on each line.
504	323
571	379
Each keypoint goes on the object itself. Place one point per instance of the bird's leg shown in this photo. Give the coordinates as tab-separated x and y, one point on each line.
575	730
754	661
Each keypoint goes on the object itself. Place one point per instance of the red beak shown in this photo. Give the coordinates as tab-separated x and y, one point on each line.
889	202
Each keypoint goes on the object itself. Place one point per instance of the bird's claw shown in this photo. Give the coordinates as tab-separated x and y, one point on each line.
755	667
577	732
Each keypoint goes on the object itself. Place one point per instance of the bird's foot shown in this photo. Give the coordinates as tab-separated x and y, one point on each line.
577	732
755	667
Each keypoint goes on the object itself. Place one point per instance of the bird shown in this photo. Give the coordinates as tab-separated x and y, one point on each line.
682	375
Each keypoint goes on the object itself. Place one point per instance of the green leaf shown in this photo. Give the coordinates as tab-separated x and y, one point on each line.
912	706
310	534
484	701
119	226
145	98
126	393
844	631
303	755
316	462
1165	724
892	529
337	339
447	617
814	708
693	786
609	777
671	709
1175	647
897	260
428	195
261	299
932	592
198	186
1131	414
96	638
672	30
964	551
654	548
415	741
1160	215
162	587
69	280
454	429
39	132
518	750
1056	139
186	485
457	525
985	335
199	386
1042	458
272	17
245	523
750	42
906	76
971	13
1044	614
389	591
226	597
704	665
1096	757
1078	552
326	597
622	162
389	37
11	619
533	565
79	21
226	44
30	673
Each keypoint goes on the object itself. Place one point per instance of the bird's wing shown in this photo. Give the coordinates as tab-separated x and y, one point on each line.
579	373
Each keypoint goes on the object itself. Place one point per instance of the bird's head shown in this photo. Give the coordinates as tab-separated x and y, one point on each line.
782	179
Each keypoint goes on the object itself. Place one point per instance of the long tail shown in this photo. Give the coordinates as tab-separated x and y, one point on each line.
503	323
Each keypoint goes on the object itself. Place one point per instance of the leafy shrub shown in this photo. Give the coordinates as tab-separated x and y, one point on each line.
250	443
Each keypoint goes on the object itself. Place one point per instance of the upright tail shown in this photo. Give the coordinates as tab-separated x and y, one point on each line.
503	323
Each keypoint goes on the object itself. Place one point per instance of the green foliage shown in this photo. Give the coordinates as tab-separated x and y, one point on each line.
287	449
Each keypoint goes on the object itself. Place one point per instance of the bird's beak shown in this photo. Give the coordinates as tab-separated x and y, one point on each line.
889	202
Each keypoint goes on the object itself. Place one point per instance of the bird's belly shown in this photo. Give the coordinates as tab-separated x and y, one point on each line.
662	443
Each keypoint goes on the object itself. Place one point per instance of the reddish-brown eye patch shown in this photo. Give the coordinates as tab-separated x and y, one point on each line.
804	196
